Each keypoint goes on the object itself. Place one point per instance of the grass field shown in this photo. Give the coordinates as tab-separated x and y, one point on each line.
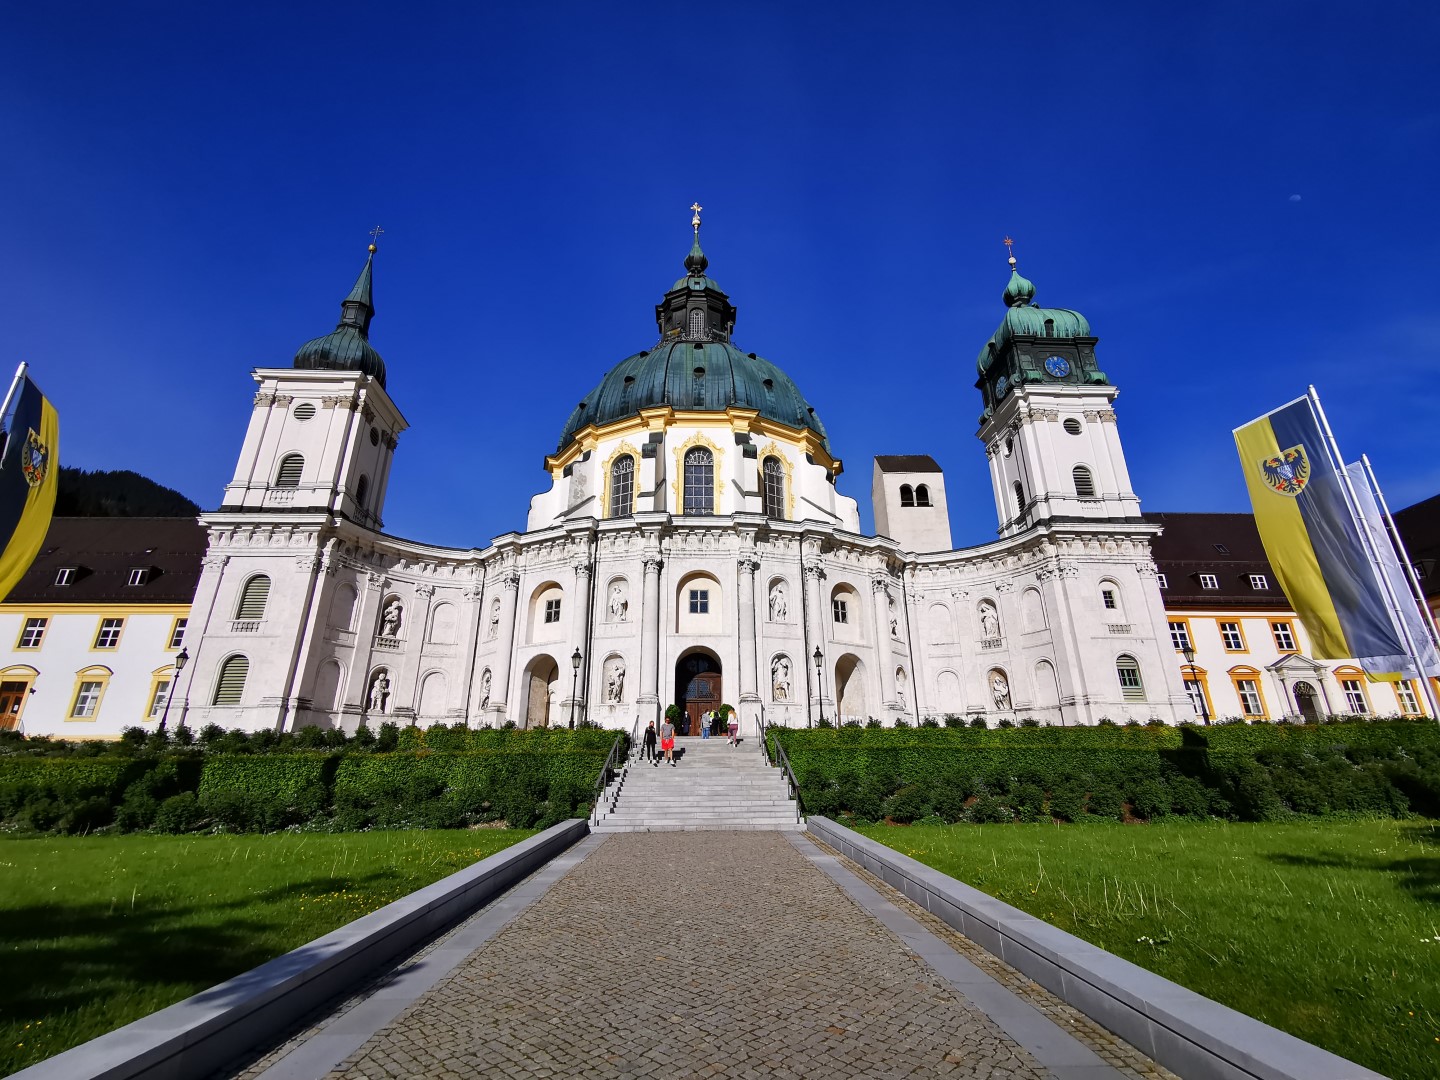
98	931
1330	931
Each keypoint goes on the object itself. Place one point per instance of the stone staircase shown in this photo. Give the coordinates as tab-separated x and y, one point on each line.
712	787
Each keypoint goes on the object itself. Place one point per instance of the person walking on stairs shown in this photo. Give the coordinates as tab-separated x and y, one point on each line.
667	742
734	728
647	746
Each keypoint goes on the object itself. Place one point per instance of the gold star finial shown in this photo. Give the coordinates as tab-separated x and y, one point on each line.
375	238
695	221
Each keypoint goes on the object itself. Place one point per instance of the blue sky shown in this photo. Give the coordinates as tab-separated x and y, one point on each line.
1240	197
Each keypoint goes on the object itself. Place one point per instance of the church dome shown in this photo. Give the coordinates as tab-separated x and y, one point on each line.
694	367
347	347
1023	318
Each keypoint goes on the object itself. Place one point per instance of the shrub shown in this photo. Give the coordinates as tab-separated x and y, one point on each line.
989	810
977	722
1151	799
1106	802
907	804
1067	801
179	814
1028	801
954	721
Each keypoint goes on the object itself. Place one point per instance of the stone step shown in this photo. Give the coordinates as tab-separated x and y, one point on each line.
787	826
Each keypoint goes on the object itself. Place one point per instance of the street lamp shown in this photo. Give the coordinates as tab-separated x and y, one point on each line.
819	659
1189	651
180	662
574	681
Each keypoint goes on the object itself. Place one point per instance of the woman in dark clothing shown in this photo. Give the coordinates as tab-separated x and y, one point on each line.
647	750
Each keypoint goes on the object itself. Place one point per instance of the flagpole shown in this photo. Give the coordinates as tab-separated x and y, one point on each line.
9	397
1417	594
1363	529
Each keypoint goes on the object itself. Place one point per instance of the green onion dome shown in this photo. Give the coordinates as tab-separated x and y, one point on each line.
347	347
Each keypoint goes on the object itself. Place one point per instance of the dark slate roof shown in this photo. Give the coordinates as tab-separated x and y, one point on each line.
1419	526
906	463
105	550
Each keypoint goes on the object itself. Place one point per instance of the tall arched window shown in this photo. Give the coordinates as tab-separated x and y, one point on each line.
1019	498
1084	483
361	490
922	496
697	323
699	481
253	597
1128	671
291	465
231	683
907	495
774	487
622	487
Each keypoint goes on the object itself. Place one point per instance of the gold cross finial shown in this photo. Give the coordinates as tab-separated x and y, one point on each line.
375	237
695	221
1009	248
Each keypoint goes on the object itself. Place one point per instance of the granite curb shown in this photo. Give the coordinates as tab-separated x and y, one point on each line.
1197	1038
202	1033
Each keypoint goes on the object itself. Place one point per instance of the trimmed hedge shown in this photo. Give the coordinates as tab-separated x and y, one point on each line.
445	777
1248	773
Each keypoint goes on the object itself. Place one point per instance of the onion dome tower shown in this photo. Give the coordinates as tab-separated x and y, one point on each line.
347	347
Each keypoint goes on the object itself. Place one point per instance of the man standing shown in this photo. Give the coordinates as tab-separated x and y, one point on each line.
647	746
667	741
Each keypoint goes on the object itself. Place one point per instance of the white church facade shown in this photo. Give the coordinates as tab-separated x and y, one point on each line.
691	548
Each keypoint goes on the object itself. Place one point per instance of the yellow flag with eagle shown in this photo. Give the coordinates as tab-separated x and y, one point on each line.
29	479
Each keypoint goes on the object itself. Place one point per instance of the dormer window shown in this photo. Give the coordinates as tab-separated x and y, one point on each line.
139	575
697	323
65	575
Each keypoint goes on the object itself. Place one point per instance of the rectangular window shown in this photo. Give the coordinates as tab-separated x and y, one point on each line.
1222	549
1409	703
162	694
1259	581
1249	691
1284	636
1180	635
841	609
699	601
1131	688
1355	696
177	633
552	611
65	575
1197	697
1231	636
1162	581
1108	595
1209	581
138	576
87	699
109	635
33	634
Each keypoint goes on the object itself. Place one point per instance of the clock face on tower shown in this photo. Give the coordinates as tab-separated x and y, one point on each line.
1057	366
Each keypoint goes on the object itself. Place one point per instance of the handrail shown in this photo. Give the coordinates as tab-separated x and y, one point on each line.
783	760
604	779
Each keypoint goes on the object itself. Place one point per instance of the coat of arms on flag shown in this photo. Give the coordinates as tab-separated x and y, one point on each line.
34	460
1287	472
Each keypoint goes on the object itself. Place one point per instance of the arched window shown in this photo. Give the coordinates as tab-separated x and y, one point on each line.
1084	483
697	323
1128	671
1019	498
253	597
907	495
231	683
699	481
291	465
922	496
361	490
622	487
774	487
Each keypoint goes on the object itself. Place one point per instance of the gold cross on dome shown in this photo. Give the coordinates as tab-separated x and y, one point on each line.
375	234
695	221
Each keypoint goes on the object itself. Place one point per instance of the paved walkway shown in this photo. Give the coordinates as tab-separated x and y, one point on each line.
698	955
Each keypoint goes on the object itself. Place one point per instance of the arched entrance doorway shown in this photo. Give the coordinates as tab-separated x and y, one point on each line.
542	676
850	692
697	690
1305	701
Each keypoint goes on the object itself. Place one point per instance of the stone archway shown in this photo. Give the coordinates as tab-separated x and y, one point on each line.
542	677
852	698
698	686
1305	701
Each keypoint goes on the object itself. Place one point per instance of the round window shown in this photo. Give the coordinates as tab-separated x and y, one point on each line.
304	411
1072	426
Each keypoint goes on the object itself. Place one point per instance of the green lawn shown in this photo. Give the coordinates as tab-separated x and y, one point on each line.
98	931
1330	931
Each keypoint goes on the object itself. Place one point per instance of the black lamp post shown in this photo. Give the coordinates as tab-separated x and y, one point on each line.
574	682
1189	651
819	659
180	662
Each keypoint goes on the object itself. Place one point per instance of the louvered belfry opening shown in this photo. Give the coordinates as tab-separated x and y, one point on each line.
253	597
1084	482
291	465
231	684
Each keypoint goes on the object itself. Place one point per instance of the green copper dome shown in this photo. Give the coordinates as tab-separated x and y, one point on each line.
347	347
694	367
1023	318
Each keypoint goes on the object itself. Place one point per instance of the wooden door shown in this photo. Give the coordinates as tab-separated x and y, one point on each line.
699	691
12	699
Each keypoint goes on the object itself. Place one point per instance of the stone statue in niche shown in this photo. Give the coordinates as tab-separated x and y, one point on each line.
1000	689
894	620
494	629
485	689
780	678
615	682
901	681
390	620
989	621
380	692
619	604
779	603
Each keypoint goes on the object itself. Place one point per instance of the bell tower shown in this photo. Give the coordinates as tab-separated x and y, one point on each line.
1048	424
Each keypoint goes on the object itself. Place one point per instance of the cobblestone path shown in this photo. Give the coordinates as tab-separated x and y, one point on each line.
692	955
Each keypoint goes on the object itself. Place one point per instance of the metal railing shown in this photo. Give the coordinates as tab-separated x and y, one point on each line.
616	758
783	761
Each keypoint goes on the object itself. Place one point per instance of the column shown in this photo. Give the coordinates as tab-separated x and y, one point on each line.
749	697
202	612
649	698
579	634
505	656
357	688
884	654
468	639
815	636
